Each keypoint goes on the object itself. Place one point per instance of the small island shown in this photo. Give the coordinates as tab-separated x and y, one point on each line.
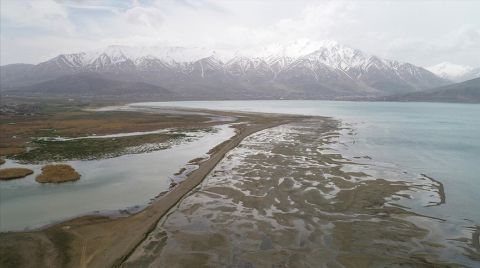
57	174
14	173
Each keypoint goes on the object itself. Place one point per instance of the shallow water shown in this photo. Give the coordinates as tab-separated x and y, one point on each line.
427	152
106	184
437	139
285	197
117	135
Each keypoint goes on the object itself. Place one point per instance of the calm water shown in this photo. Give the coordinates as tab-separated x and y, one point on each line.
439	140
106	184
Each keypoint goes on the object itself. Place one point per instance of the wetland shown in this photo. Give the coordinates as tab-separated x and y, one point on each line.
204	188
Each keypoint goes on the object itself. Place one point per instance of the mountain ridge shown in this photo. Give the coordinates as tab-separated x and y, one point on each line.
324	69
465	92
91	85
454	72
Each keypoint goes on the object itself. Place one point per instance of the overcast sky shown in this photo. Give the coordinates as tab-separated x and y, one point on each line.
420	32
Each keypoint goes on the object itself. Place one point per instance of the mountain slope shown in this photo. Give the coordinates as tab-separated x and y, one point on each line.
472	74
450	71
301	69
467	91
90	85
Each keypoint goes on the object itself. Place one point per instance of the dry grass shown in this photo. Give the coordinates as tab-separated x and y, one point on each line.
17	131
100	241
14	173
57	174
11	150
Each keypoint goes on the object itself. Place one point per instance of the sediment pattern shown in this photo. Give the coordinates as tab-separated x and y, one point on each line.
282	198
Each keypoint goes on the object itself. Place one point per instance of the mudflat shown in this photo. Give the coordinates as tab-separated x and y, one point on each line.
104	241
277	194
285	197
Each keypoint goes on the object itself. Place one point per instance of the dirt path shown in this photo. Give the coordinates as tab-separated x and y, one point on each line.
100	241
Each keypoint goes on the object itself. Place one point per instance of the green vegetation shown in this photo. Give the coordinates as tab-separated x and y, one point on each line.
24	123
87	149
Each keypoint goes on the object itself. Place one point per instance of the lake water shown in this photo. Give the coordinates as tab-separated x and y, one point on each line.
106	185
437	139
409	139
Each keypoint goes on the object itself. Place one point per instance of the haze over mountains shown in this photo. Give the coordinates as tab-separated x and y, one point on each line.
467	91
91	86
454	72
300	70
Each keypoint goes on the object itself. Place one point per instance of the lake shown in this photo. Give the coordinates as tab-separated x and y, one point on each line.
440	140
107	185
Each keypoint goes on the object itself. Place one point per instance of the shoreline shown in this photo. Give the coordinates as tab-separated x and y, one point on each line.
68	243
196	177
265	202
116	240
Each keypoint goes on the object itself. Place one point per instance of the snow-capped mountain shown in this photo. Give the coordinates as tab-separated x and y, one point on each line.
302	69
475	72
472	74
451	71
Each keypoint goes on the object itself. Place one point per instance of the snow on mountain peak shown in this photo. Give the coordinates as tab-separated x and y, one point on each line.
339	56
449	70
332	52
302	64
172	54
274	58
296	49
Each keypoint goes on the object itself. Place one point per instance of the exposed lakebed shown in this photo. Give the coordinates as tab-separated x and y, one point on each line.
419	159
318	192
287	198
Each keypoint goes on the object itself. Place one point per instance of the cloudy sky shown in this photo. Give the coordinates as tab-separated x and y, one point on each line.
421	32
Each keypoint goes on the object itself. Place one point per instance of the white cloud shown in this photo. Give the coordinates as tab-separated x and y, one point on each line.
150	18
314	22
462	43
410	31
47	15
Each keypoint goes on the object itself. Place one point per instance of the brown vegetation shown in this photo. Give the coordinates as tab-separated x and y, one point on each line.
100	241
14	173
16	131
57	174
11	150
19	131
